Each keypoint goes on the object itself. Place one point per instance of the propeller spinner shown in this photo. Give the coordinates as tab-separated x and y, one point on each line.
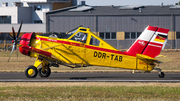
15	39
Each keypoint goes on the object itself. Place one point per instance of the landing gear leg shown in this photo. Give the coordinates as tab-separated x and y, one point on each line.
161	74
44	71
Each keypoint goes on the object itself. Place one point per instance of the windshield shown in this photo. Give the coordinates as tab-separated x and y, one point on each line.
71	32
78	37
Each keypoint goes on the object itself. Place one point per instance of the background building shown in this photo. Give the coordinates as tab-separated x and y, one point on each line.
31	12
118	25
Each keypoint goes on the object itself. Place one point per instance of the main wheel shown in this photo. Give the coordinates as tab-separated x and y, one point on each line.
31	72
46	73
161	75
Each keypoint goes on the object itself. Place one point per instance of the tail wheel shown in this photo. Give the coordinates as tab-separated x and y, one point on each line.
31	72
45	73
161	75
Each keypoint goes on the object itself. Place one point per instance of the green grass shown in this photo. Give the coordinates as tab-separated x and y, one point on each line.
82	93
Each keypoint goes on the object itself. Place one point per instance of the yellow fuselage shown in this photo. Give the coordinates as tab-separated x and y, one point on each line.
76	52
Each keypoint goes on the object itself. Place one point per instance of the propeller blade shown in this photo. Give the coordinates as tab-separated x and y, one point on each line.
14	37
10	56
11	52
15	40
17	51
19	30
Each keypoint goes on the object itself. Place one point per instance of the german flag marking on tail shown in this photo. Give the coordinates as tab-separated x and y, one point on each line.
160	38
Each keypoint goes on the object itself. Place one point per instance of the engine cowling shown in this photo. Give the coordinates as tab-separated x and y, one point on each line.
26	41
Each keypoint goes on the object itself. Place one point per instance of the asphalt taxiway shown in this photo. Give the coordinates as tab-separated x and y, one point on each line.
92	77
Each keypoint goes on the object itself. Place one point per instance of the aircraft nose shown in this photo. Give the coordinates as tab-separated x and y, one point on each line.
25	41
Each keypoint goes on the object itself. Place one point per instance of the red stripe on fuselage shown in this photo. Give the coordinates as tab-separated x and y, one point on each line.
105	50
82	45
60	41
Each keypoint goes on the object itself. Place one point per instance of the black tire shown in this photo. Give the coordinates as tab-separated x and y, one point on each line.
47	72
31	72
161	75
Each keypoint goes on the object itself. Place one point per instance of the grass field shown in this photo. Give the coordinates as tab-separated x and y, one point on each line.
90	91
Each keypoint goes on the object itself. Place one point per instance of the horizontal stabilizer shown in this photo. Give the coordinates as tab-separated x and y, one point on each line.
162	58
158	59
145	57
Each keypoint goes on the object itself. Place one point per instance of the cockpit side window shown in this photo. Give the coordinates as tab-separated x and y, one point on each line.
94	41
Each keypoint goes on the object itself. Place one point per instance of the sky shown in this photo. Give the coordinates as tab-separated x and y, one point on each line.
115	2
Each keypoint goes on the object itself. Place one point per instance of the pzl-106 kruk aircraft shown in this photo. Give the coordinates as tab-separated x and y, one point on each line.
71	50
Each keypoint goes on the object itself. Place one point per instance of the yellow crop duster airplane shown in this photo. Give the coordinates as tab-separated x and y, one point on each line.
92	50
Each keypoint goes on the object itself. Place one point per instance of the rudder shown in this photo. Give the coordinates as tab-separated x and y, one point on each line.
157	43
141	43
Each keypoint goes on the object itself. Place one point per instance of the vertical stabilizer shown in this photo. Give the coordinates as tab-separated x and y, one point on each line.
141	43
157	43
